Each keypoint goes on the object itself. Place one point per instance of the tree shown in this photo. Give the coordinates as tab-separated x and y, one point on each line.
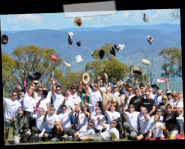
114	68
175	14
172	65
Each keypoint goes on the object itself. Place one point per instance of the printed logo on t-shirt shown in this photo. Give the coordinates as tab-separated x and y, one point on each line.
50	120
136	100
82	117
39	120
146	103
12	105
64	117
59	98
141	119
132	116
168	118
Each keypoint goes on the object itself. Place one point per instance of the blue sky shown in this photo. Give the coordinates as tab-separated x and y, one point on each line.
57	21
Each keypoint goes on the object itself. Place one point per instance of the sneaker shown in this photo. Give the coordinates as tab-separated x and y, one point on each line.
6	143
55	139
70	139
65	136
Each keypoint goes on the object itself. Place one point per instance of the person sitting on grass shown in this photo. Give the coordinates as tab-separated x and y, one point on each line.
144	123
97	127
102	136
84	131
156	129
52	122
20	127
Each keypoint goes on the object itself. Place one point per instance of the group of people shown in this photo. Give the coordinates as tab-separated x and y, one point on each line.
97	112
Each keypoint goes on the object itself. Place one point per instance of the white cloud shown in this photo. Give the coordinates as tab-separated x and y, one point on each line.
120	16
35	20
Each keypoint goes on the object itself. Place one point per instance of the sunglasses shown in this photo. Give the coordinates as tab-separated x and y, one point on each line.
163	99
115	87
95	86
19	94
63	109
129	90
97	109
57	89
137	92
52	109
158	111
73	88
113	122
131	107
40	90
14	95
180	93
20	109
147	94
84	106
90	125
176	96
141	88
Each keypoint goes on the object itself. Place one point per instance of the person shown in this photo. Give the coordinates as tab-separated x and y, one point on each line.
163	104
103	86
113	115
137	100
106	96
116	93
158	111
97	127
129	95
52	125
171	124
32	86
20	97
83	94
179	105
11	110
74	95
144	123
82	117
181	99
151	90
119	107
69	101
29	104
57	97
84	131
169	96
110	128
156	129
131	126
158	98
149	104
39	128
42	102
98	105
20	127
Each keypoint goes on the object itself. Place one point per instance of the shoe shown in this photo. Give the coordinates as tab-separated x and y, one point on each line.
65	136
22	140
55	139
70	139
6	143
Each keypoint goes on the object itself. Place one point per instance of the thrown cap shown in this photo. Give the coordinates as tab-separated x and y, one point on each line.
112	51
101	54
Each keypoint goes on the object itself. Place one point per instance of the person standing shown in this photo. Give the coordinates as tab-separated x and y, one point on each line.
149	104
130	94
57	97
163	104
158	98
156	129
131	126
11	110
20	127
116	93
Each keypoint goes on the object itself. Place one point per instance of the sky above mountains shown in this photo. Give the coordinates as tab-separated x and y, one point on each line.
57	21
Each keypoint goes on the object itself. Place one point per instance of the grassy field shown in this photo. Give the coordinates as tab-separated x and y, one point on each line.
10	140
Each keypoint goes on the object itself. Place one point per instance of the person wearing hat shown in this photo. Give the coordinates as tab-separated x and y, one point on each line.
171	124
11	110
178	104
20	127
106	96
57	97
169	95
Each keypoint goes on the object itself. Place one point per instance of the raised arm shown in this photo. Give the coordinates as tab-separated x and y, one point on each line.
106	107
146	116
99	78
102	124
144	89
90	114
137	83
44	119
178	110
38	103
123	110
72	110
106	79
153	110
167	83
53	86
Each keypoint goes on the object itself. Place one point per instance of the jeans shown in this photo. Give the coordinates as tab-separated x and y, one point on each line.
133	132
180	122
72	118
97	131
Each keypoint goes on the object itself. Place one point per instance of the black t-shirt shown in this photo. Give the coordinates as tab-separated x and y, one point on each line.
148	103
171	122
137	101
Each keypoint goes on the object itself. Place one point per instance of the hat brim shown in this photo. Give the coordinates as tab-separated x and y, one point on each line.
75	21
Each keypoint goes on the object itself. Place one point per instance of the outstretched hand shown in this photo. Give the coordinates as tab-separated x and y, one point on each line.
137	82
99	78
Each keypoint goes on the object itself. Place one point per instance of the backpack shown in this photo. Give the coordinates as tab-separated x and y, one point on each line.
34	139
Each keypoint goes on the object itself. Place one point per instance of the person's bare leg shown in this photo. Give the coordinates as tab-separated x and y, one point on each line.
46	136
86	138
6	134
57	129
139	137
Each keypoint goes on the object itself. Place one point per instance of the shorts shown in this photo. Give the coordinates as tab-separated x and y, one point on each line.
97	137
139	133
7	122
49	131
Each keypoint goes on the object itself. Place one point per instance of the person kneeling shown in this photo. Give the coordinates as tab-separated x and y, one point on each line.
102	136
20	127
156	128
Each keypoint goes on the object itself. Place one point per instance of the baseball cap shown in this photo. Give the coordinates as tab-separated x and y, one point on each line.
168	92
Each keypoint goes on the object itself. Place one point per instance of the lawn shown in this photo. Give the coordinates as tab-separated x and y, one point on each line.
10	138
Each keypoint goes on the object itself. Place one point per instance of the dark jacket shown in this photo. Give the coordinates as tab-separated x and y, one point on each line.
18	124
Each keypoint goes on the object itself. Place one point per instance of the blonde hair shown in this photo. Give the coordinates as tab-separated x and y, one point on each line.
164	96
33	94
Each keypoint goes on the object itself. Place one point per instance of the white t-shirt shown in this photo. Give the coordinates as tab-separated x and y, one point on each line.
152	96
76	97
93	109
95	121
36	94
64	119
29	103
71	102
152	119
57	101
11	108
103	88
39	121
156	132
144	124
94	97
112	116
82	119
43	103
106	134
178	104
132	119
21	101
52	119
84	131
116	93
128	100
158	100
